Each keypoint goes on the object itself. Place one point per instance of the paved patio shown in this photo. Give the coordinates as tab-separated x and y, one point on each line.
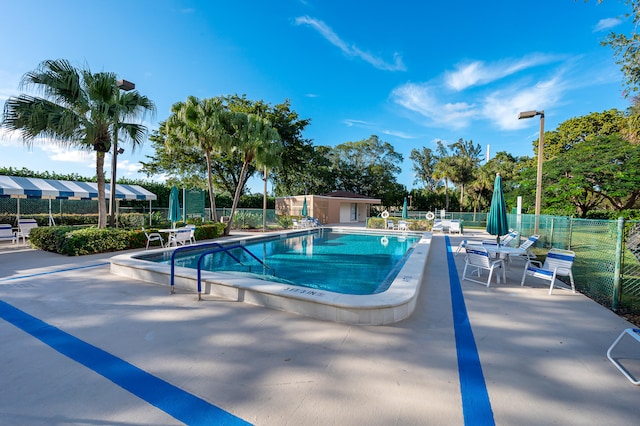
542	358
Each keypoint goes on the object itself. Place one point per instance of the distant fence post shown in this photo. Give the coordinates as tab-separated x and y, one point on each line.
618	266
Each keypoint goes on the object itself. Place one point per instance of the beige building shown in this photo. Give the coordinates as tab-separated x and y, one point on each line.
335	207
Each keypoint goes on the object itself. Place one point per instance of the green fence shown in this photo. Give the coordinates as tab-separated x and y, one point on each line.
607	264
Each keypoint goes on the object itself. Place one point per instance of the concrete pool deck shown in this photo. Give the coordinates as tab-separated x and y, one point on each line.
543	358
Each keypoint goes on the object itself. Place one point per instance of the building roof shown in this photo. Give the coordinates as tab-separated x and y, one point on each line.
22	187
343	194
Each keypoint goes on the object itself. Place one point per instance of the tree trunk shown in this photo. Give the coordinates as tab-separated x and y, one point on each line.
212	195
102	203
236	197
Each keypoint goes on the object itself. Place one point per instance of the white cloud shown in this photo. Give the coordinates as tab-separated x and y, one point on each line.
479	72
420	98
351	49
503	106
605	24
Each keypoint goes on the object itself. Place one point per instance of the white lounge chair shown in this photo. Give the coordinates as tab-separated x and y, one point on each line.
558	263
477	260
390	224
454	227
438	226
154	236
526	246
6	233
403	225
24	227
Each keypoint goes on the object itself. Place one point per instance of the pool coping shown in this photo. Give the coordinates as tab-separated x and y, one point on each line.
392	305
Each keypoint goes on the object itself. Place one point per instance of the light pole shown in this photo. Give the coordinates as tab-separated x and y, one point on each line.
126	86
530	114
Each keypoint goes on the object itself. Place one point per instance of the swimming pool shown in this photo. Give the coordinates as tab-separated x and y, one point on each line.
395	303
356	263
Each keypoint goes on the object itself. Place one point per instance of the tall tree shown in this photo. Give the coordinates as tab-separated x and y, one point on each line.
424	163
445	169
78	109
257	142
598	168
367	167
627	50
203	124
467	157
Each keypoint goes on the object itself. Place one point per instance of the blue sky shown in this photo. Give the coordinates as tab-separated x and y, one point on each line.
411	72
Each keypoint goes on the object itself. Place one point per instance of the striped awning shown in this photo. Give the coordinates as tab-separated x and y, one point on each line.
21	187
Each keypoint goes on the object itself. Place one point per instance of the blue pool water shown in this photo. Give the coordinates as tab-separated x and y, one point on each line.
325	260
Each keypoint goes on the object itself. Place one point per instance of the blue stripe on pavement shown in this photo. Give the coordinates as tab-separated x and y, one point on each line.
476	406
172	400
19	277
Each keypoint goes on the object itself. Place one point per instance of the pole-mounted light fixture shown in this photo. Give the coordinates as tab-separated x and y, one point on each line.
126	86
531	114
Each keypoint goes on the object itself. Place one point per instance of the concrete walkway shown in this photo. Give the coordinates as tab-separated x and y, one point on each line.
542	358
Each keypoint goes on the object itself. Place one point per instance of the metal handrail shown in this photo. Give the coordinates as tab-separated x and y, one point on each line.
219	248
225	250
191	247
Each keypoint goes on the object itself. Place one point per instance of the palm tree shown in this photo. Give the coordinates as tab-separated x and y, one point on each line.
257	142
77	109
466	161
205	125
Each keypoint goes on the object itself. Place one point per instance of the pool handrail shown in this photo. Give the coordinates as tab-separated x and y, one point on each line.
224	249
192	247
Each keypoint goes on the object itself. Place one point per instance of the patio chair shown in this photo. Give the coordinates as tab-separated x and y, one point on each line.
438	226
505	240
635	333
455	228
182	236
477	260
154	236
6	233
390	224
24	227
526	246
295	224
192	235
402	225
557	263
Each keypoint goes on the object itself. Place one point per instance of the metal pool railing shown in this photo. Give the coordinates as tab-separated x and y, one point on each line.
219	248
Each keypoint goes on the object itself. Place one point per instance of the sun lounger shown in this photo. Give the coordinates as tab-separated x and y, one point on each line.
24	227
6	233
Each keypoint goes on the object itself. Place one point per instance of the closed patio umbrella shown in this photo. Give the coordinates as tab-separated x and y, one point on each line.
174	207
405	214
304	211
497	220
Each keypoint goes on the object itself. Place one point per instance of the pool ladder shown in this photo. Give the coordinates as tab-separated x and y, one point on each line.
219	248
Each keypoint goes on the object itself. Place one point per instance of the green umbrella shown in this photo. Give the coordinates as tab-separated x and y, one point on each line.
174	207
304	211
497	220
405	214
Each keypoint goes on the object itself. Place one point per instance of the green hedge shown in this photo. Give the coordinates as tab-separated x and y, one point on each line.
78	241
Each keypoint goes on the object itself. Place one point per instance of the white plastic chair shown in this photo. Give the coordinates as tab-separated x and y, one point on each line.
182	236
454	227
557	263
635	333
24	227
477	260
154	236
390	224
402	225
192	235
